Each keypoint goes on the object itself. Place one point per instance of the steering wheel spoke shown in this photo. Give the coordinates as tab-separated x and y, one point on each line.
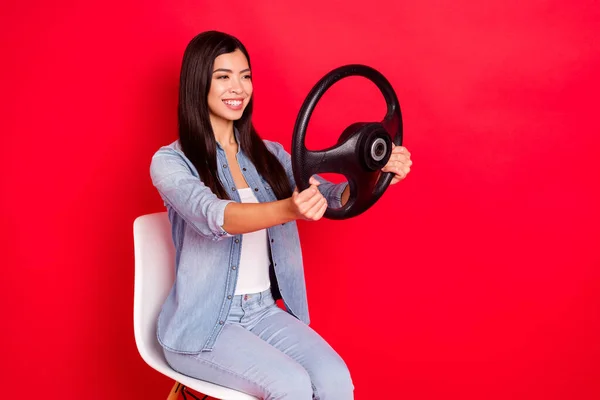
340	159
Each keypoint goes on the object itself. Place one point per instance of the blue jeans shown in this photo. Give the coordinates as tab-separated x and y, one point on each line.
267	353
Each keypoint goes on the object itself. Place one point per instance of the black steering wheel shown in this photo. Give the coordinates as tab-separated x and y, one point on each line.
361	151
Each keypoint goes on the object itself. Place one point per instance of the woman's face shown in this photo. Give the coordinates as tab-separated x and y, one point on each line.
230	86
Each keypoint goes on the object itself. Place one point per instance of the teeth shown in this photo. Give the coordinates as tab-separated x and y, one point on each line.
233	102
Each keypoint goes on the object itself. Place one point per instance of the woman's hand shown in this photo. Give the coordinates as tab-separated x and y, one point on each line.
310	203
399	163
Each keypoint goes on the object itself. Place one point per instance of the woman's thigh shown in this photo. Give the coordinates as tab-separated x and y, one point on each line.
328	372
242	361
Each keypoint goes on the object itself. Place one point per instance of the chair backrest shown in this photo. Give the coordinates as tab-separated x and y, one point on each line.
154	276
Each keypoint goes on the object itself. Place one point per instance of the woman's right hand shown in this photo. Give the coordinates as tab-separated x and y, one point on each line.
309	204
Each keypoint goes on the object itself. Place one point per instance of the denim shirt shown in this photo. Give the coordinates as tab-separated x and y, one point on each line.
207	257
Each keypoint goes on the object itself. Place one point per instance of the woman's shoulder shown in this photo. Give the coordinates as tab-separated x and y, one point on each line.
169	158
171	151
171	148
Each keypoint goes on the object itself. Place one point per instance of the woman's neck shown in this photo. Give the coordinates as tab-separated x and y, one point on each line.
223	131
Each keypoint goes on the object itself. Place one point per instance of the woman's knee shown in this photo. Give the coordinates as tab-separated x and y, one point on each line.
291	383
332	381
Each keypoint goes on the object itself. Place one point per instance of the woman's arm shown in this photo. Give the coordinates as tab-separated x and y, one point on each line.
345	195
243	218
215	218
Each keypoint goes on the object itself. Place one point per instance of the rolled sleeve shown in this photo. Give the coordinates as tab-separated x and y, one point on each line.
188	195
216	219
332	191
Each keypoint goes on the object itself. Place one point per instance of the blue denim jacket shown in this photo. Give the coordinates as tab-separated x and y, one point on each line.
207	257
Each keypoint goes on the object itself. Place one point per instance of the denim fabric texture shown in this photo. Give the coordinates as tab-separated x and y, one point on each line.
269	354
207	257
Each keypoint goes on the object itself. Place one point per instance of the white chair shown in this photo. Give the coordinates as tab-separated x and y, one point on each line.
154	275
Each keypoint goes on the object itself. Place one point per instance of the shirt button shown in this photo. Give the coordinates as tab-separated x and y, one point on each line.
221	322
237	240
243	169
256	189
275	264
229	297
233	188
224	165
272	240
233	267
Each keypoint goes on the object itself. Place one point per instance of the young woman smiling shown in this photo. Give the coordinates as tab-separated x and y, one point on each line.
233	205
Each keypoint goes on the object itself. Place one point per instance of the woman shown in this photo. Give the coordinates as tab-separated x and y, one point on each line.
232	203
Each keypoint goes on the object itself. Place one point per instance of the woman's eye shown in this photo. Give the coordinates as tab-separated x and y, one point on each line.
248	77
222	77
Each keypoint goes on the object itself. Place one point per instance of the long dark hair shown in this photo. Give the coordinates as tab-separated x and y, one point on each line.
195	130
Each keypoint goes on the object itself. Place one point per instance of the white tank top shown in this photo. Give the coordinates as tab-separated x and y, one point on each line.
253	274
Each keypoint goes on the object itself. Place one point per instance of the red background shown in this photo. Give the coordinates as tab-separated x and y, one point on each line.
475	278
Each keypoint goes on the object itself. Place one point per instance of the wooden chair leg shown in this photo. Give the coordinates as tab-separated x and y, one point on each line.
174	393
178	389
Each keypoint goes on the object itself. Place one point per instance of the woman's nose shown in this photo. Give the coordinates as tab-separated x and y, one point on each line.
236	86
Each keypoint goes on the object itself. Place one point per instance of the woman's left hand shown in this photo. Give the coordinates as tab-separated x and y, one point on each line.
399	163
